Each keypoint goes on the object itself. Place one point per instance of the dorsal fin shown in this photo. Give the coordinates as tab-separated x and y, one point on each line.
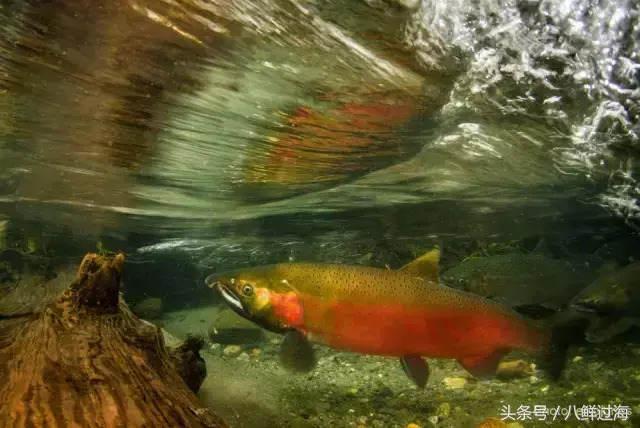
426	266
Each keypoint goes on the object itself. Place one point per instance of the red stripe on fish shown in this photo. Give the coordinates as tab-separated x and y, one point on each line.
398	330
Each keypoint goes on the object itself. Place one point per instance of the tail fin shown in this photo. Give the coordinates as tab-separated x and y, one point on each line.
565	329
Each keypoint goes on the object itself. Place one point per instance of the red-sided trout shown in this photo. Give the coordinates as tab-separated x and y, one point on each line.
406	314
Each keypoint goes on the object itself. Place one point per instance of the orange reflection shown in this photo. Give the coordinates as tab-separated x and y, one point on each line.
319	146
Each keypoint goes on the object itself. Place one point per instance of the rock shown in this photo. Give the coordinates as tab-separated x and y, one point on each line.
454	382
492	423
231	351
244	357
230	328
383	392
513	369
150	308
443	411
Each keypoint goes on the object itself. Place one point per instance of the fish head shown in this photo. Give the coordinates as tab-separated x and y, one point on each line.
602	298
251	293
474	281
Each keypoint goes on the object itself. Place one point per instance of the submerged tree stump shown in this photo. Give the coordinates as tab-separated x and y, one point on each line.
86	361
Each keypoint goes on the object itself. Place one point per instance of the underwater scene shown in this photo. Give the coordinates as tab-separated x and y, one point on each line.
320	213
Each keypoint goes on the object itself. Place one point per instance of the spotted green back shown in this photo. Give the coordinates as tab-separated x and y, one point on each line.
365	284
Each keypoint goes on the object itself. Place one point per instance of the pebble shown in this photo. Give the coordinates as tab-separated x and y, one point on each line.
443	411
513	369
594	367
454	382
492	423
243	357
231	350
362	420
533	380
384	392
433	420
577	358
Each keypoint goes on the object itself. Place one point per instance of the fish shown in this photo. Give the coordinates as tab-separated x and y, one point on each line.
405	314
531	283
611	303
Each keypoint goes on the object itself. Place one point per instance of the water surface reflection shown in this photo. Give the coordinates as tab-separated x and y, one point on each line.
187	116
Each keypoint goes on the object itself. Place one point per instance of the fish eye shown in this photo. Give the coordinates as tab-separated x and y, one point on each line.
247	290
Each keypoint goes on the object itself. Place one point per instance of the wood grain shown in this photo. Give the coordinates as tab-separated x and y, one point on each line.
87	361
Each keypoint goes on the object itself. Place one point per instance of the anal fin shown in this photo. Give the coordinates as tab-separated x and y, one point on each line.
483	366
416	369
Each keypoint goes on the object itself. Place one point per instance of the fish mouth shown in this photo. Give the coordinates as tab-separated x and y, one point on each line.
232	299
582	308
236	304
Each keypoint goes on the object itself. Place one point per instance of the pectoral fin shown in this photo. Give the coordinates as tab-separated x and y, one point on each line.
296	353
416	369
483	366
426	266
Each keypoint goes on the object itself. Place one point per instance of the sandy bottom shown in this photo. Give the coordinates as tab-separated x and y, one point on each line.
249	388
